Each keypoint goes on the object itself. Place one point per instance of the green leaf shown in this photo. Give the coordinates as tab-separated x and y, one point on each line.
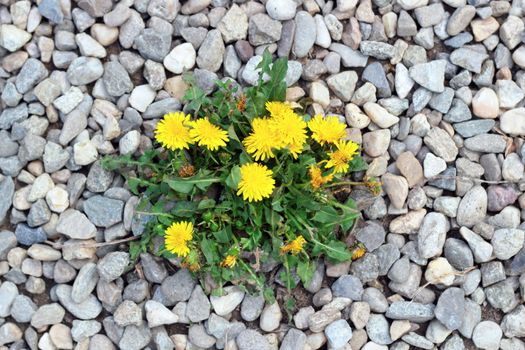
185	185
232	181
206	204
222	236
268	295
133	184
305	271
337	251
358	164
209	250
232	134
184	209
326	215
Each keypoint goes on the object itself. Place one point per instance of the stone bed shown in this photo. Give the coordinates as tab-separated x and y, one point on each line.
434	93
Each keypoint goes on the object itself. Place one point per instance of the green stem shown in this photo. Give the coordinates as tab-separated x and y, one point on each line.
252	274
154	214
344	183
288	275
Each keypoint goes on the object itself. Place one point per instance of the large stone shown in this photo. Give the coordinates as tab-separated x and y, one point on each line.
441	144
513	121
430	75
305	34
234	25
75	225
211	52
473	207
89	309
13	38
103	211
432	235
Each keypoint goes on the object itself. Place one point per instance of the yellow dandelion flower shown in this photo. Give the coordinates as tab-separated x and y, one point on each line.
229	261
172	131
177	237
358	252
294	246
326	130
339	159
206	134
256	182
262	141
316	177
291	131
276	108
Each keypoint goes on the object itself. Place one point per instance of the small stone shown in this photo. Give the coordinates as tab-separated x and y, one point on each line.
433	165
482	250
507	243
343	84
485	104
377	329
104	211
87	310
48	314
28	236
198	307
441	144
128	313
250	339
294	340
135	337
338	333
89	46
57	199
252	307
178	287
197	335
396	187
180	59
473	207
410	168
349	56
158	315
348	286
305	34
450	308
469	59
458	254
75	225
318	321
113	265
211	52
43	253
460	19
379	115
429	75
85	282
270	317
487	335
153	45
84	70
264	30
439	271
432	234
13	38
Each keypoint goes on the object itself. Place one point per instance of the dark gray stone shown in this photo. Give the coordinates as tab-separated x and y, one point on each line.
103	211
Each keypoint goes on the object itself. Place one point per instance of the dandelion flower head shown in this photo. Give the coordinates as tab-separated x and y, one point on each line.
346	150
256	182
326	129
177	237
173	131
206	134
